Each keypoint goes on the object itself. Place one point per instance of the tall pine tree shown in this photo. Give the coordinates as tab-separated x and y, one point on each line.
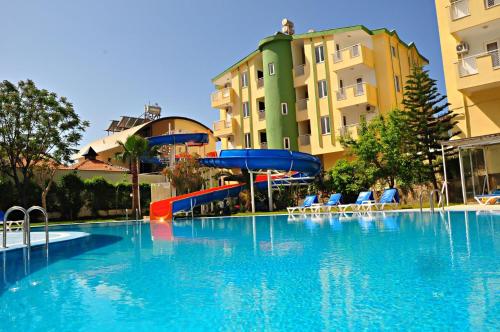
430	120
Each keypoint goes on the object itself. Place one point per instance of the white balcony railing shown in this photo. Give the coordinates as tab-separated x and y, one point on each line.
359	90
262	114
302	104
459	9
260	82
491	3
299	70
305	139
468	66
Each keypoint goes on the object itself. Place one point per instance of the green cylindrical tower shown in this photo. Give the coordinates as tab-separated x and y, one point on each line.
278	88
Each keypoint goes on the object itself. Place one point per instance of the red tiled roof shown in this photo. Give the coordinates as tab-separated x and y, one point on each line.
95	165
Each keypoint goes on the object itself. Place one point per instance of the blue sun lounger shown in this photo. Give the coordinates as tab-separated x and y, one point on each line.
333	202
390	197
364	197
308	202
489	199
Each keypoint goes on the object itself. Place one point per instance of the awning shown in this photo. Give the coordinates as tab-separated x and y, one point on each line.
471	142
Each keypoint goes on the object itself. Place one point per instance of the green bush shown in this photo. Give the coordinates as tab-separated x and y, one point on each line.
351	177
99	194
70	195
7	197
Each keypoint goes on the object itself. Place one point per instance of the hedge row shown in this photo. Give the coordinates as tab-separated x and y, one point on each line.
72	193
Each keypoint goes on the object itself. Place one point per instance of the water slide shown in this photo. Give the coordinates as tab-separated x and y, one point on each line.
245	159
173	139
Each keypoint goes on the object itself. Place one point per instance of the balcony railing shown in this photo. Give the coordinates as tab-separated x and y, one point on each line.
302	104
221	94
299	70
222	97
468	66
459	9
260	82
491	3
359	90
262	114
305	139
223	124
349	130
354	51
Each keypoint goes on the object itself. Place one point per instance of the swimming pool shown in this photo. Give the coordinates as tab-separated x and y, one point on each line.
380	271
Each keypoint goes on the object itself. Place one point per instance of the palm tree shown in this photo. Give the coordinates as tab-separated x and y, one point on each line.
134	148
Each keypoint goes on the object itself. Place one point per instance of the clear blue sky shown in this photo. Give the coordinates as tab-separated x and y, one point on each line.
110	57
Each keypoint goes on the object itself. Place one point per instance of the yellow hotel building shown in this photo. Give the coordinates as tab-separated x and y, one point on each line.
470	42
302	91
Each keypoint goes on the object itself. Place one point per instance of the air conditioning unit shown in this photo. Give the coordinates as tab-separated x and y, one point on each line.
462	48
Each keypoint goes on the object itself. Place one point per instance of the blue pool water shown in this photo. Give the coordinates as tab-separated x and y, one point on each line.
406	271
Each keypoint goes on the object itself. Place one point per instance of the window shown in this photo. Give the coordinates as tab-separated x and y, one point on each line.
263	137
246	109
397	83
244	79
322	90
344	120
393	51
270	66
320	54
286	143
325	125
284	108
248	142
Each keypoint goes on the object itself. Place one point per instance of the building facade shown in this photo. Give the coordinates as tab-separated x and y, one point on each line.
470	42
107	147
303	91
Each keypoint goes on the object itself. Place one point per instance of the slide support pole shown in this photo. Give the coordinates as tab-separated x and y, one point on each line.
252	193
269	191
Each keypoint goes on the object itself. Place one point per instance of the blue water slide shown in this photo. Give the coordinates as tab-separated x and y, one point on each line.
172	139
266	159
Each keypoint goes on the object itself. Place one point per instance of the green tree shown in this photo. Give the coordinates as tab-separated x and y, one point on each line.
382	151
35	125
429	120
134	148
186	176
350	177
69	195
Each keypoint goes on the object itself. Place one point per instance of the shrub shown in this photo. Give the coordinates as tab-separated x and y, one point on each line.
70	196
351	177
99	194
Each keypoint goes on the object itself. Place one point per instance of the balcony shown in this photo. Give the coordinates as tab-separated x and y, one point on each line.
356	55
224	128
478	72
222	98
305	140
301	109
466	13
351	131
260	82
358	94
262	115
299	70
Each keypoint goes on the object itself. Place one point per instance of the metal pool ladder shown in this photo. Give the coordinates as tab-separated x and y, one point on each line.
26	225
431	199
